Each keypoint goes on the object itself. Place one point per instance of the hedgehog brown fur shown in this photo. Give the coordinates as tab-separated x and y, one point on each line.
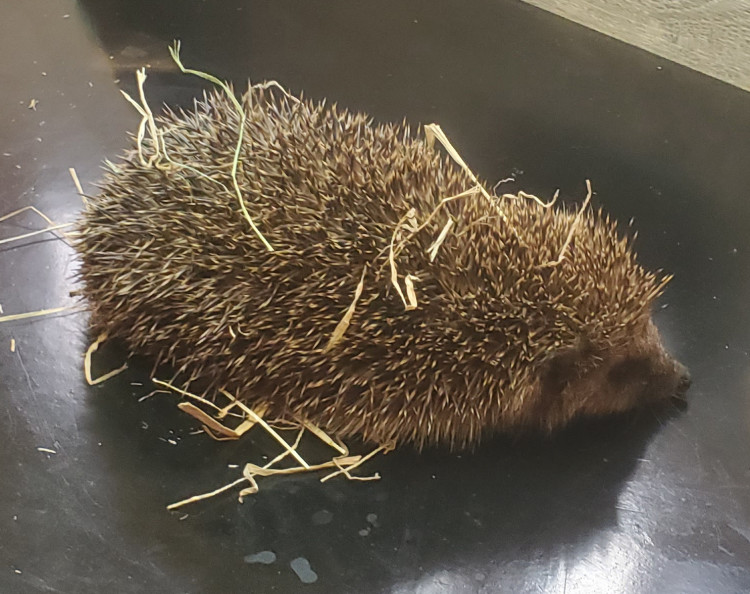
500	341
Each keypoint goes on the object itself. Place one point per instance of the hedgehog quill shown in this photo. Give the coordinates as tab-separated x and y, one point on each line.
400	303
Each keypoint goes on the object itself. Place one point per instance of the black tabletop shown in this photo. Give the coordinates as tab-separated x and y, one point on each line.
646	504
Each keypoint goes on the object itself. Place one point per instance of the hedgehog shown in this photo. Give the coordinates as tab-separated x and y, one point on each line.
522	317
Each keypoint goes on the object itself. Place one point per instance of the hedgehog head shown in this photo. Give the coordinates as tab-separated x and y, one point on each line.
561	338
583	381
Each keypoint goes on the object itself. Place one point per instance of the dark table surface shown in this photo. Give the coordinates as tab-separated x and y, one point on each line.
651	504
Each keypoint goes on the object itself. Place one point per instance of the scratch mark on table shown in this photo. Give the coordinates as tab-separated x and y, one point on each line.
26	373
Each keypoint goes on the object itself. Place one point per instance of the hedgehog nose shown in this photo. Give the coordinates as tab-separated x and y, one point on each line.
683	384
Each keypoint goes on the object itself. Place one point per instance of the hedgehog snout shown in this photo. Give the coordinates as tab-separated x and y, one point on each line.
669	379
684	382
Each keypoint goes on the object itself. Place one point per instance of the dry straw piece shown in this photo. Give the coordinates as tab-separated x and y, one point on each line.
343	463
50	228
35	314
87	364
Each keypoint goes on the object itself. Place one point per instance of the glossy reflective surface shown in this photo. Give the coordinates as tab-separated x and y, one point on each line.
634	505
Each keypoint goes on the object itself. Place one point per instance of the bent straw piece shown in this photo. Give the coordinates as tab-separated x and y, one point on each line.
246	476
434	131
342	447
433	250
282	424
256	470
152	129
142	125
157	136
87	364
260	411
78	185
51	225
395	251
505	180
392	257
539	201
147	118
33	233
573	227
349	468
471	191
351	477
174	50
213	493
244	427
410	292
207	420
354	477
527	196
251	490
225	411
285	453
343	324
33	209
185	393
272	83
325	438
215	437
252	414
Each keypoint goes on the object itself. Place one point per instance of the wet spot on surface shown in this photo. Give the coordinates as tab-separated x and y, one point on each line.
373	520
301	567
264	557
319	518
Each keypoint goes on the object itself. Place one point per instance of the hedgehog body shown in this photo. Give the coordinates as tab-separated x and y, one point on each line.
500	340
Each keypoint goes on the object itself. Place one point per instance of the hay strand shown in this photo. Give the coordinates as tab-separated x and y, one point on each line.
573	227
34	314
33	233
24	209
140	77
344	463
346	469
87	363
51	225
208	495
392	259
539	201
79	187
434	131
338	332
185	393
208	421
433	250
325	438
174	50
253	415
